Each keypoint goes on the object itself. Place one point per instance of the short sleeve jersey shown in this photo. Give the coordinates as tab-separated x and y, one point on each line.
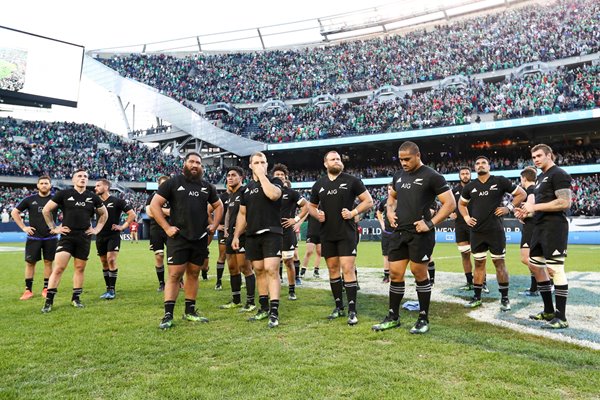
382	208
78	208
152	220
547	183
115	208
189	204
333	196
225	200
289	204
457	192
233	207
415	192
484	198
34	206
262	214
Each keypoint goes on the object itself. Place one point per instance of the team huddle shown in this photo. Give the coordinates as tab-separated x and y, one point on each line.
256	228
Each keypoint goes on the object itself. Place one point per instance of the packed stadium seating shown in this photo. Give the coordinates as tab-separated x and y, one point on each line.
562	90
485	43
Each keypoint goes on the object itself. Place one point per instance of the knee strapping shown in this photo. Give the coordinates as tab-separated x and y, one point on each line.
480	256
539	262
557	265
497	256
465	248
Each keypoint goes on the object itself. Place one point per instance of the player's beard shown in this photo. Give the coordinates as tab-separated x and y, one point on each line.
190	176
466	181
481	172
335	170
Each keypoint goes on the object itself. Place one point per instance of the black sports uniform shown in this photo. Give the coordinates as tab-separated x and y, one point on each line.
158	237
484	198
233	207
189	212
338	235
42	239
263	221
313	231
386	234
528	224
107	239
225	200
462	231
415	192
78	209
289	205
551	229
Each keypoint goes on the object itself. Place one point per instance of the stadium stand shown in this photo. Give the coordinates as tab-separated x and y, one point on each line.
486	43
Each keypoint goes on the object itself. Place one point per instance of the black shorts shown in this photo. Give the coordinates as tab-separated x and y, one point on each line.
462	233
340	248
104	244
290	241
416	247
158	239
314	239
385	243
76	243
221	238
230	250
494	241
549	239
181	251
266	245
526	235
34	249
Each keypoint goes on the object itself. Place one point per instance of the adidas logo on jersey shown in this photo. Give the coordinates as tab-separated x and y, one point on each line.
33	203
242	249
116	248
278	253
525	245
425	258
322	190
556	253
354	251
71	198
474	191
180	188
399	180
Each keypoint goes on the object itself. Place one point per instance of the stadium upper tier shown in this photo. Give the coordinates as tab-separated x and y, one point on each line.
486	43
562	90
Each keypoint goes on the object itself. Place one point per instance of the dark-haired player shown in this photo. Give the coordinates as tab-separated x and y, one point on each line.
236	259
485	195
108	240
331	203
39	238
158	237
187	246
290	201
78	206
548	248
415	188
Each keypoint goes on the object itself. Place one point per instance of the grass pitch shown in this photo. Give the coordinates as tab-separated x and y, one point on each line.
113	349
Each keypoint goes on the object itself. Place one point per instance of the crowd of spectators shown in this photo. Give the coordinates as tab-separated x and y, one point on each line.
34	148
561	90
485	43
510	158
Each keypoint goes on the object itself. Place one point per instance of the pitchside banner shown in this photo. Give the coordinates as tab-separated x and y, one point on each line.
581	231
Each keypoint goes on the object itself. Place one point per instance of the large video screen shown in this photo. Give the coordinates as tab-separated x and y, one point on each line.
37	69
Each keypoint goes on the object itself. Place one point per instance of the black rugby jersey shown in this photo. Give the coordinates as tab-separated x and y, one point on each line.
78	208
484	198
225	200
289	204
115	207
34	206
233	207
415	193
333	196
547	183
457	192
153	223
262	214
383	210
189	204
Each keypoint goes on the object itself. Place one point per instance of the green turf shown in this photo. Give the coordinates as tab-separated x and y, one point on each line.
114	350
